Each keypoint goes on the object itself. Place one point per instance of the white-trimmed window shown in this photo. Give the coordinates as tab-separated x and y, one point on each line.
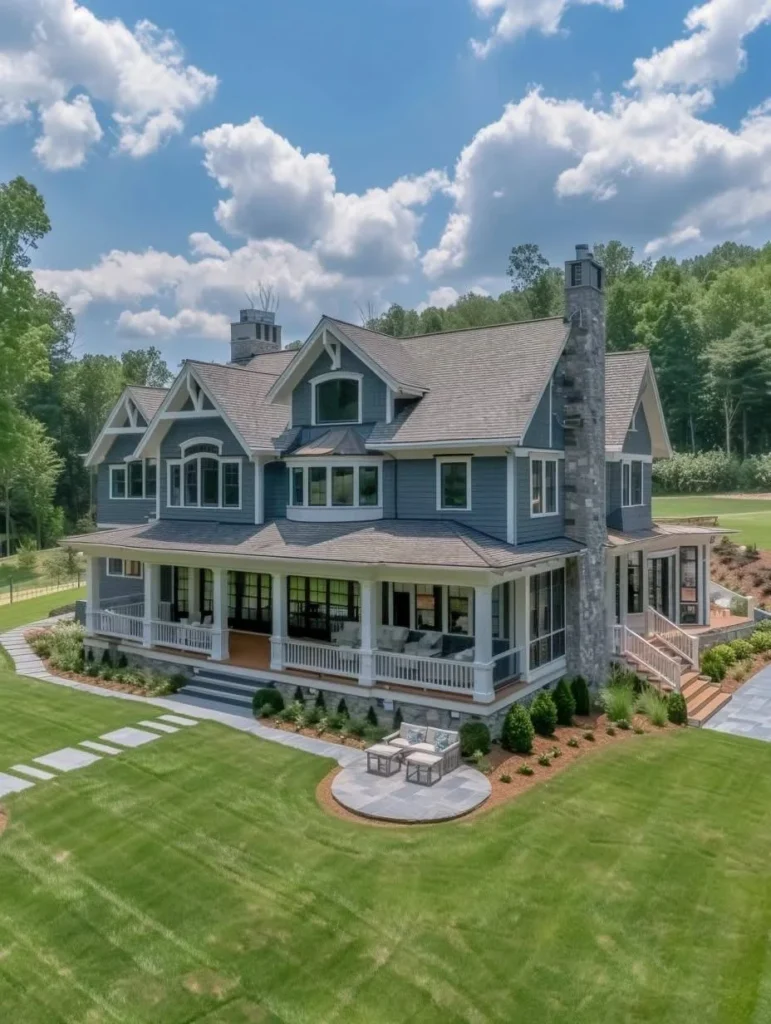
134	480
453	484
125	567
632	490
203	478
335	486
544	487
336	398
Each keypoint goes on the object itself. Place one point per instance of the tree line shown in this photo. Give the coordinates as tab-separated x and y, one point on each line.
53	403
705	320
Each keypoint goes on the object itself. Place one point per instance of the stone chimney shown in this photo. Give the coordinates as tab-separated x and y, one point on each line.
582	383
255	334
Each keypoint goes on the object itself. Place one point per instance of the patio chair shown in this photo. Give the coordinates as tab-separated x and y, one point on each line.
421	739
392	639
428	646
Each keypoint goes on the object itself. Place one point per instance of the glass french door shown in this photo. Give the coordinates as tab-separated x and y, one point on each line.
249	602
661	574
316	604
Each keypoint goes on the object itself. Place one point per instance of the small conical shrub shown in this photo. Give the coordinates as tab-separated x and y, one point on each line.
580	690
298	695
320	702
565	703
543	714
398	719
677	709
123	661
517	733
106	659
342	708
371	716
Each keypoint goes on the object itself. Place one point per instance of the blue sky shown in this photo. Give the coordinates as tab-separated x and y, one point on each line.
351	154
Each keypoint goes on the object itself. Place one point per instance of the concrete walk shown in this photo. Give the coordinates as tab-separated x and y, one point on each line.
27	663
749	713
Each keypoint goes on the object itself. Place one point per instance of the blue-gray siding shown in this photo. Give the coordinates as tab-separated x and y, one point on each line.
537	435
214	427
638	442
531	528
117	589
373	389
276	491
119	511
637	517
416	494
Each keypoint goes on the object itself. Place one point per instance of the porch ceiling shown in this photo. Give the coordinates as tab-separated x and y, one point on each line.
388	542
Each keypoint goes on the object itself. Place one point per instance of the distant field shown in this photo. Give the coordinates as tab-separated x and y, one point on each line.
750	517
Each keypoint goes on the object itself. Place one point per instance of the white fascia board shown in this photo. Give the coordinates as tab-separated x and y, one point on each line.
99	448
464	442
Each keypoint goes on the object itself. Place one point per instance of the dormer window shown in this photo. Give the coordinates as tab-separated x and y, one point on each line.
336	398
202	478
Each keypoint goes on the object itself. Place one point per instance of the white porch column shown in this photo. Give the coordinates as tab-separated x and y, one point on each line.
93	575
522	624
705	573
483	644
368	624
219	639
278	634
152	599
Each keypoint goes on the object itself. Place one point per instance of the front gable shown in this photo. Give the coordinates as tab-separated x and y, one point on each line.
373	392
638	437
125	421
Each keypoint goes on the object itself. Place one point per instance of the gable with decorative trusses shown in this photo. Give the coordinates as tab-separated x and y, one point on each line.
129	417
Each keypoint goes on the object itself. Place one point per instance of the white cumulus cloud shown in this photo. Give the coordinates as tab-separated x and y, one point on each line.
48	48
151	323
516	17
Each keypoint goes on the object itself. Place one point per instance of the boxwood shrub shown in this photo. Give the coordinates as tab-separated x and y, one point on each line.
543	714
677	709
565	703
268	699
518	732
474	736
580	690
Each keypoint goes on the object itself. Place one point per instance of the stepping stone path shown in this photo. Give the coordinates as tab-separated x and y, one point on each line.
101	748
11	784
130	737
160	726
68	759
34	773
178	720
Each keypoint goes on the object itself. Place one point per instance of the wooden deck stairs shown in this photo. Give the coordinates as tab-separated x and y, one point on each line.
703	698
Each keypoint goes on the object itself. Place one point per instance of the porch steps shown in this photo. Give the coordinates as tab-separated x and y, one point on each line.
222	689
703	698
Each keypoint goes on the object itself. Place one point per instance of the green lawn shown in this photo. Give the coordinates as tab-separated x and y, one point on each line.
197	880
750	517
21	612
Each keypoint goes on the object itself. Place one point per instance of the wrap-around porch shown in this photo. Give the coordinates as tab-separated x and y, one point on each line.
468	641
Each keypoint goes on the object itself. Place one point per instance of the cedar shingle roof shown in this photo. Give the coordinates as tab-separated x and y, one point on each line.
241	394
484	382
392	354
388	542
624	376
147	400
272	362
657	531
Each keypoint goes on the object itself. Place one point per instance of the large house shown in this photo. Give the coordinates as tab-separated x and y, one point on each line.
444	523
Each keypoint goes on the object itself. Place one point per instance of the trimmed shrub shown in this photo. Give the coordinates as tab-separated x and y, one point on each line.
763	625
342	707
573	742
525	769
677	709
713	665
371	716
580	690
299	696
618	701
725	653
518	732
320	702
473	736
398	719
742	649
123	661
267	700
543	714
313	716
545	761
106	659
504	778
760	641
565	703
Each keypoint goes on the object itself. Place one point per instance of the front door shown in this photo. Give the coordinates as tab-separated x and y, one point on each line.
660	580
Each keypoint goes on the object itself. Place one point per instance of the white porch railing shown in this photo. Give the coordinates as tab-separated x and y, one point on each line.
115	623
625	641
328	659
428	673
136	610
186	638
670	633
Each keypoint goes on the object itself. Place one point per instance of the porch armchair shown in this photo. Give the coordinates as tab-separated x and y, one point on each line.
392	639
349	635
429	645
421	739
467	654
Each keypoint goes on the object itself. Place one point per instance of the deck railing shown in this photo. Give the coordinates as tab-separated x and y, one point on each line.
185	638
427	673
684	643
115	623
666	670
326	659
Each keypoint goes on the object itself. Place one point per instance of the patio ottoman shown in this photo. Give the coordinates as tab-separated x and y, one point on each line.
383	759
424	769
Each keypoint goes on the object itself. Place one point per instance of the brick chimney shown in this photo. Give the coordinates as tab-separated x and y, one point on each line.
583	387
255	334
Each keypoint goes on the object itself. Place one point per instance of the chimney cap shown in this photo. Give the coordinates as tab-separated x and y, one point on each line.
583	251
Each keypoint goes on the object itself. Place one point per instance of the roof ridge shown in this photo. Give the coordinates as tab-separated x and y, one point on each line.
230	366
484	327
148	387
629	352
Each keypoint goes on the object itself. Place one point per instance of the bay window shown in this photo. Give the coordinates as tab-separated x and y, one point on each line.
547	617
334	486
136	479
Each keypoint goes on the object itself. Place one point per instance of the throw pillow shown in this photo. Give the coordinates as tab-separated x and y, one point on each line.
441	741
415	735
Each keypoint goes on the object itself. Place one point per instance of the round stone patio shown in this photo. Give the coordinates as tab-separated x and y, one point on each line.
395	799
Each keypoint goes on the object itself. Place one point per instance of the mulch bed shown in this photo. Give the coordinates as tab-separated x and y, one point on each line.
327	737
501	762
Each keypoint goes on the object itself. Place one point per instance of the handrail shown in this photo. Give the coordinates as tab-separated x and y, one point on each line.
626	641
672	634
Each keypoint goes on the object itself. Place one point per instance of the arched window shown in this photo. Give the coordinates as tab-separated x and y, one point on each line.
336	398
203	478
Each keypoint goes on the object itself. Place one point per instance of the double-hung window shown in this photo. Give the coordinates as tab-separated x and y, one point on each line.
544	500
136	479
453	484
204	479
631	483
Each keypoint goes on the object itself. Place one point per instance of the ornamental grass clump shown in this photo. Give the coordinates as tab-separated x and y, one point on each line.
518	732
543	714
565	703
653	705
618	701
